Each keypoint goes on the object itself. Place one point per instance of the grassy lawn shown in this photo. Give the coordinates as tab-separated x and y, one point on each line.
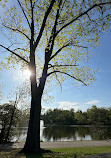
56	153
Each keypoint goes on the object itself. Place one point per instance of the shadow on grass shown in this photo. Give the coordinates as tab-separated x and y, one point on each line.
38	155
33	156
6	147
51	154
44	154
15	153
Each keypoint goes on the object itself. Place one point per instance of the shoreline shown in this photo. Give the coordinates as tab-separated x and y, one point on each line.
59	144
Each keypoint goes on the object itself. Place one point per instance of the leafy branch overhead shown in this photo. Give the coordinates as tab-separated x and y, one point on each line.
60	31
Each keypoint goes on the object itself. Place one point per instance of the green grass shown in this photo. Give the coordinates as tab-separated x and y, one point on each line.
60	152
79	151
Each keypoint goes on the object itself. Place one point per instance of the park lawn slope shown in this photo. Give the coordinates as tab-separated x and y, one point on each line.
59	152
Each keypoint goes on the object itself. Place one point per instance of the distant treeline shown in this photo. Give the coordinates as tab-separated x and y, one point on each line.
94	115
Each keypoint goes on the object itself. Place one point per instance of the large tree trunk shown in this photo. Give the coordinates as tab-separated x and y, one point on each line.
32	144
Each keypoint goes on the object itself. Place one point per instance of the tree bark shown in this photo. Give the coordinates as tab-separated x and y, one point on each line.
32	144
10	124
2	134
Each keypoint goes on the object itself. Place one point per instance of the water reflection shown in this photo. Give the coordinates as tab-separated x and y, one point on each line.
67	133
100	133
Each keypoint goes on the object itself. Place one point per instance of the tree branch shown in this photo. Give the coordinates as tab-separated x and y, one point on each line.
50	45
52	66
80	15
56	77
76	45
59	51
34	3
43	24
64	46
24	13
53	34
14	53
17	31
88	17
67	75
20	49
58	81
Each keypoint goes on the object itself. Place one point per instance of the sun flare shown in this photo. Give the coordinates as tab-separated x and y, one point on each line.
27	73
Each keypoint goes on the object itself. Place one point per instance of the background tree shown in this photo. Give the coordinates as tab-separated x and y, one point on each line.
109	118
60	32
10	111
9	116
59	117
24	118
81	117
98	116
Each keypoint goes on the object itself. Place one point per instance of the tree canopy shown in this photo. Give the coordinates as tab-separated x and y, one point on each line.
64	35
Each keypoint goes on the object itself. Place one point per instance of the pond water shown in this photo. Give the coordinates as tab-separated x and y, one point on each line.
67	133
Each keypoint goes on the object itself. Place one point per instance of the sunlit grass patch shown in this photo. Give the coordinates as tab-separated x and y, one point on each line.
79	151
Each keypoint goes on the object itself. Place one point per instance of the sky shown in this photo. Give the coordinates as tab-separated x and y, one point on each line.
79	98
